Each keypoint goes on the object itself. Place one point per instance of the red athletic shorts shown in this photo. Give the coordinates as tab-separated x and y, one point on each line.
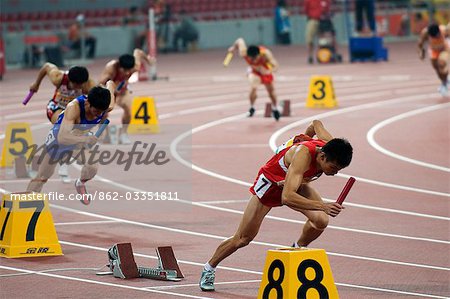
268	192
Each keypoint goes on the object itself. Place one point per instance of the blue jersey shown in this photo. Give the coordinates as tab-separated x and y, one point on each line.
57	150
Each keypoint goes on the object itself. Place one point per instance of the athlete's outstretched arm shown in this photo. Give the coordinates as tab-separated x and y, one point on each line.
48	69
317	128
294	177
140	56
421	42
273	62
111	86
240	45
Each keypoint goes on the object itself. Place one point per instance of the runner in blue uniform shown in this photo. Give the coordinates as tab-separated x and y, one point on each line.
71	132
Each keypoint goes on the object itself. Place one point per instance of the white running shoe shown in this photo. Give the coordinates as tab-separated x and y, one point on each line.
124	139
443	90
63	172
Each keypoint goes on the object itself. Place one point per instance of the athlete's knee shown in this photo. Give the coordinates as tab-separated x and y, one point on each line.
320	222
242	240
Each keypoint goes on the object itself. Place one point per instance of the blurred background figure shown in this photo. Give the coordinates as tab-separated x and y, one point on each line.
315	10
132	17
187	32
282	23
75	35
367	7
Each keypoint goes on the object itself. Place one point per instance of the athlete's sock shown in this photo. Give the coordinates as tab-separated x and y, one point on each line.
208	267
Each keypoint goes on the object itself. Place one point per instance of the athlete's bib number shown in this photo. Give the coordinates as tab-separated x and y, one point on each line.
262	185
50	138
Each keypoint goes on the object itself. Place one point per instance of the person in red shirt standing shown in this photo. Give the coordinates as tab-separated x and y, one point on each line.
262	64
284	180
314	10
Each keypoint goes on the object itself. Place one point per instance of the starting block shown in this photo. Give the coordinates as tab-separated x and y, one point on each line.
297	273
122	264
285	109
27	228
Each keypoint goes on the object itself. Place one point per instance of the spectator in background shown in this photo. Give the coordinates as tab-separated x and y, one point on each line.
187	32
282	23
75	34
314	10
132	17
369	7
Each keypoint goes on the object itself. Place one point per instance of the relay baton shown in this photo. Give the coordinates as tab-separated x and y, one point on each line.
28	97
227	59
345	191
102	128
119	87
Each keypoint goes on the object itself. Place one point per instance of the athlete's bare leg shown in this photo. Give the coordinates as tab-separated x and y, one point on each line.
272	95
45	171
317	220
248	228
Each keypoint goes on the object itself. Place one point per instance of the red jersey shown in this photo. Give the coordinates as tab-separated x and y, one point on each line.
261	66
63	94
314	9
275	170
118	78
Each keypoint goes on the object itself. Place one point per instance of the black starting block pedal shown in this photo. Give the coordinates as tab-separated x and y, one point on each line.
121	261
122	264
167	259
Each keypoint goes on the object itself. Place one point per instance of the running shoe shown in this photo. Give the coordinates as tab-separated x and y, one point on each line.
81	189
276	114
63	173
251	112
207	280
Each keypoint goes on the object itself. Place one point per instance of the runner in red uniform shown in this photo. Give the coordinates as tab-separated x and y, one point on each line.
120	70
438	50
284	180
261	66
69	85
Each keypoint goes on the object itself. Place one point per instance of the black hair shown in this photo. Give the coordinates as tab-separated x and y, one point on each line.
99	98
126	61
78	74
433	30
338	150
253	51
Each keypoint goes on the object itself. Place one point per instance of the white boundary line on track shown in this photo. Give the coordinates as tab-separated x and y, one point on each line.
371	136
85	222
217	237
201	265
91	281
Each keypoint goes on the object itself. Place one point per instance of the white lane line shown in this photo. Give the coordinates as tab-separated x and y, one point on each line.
354	230
371	136
217	237
92	281
422	295
347	203
165	287
245	271
85	222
